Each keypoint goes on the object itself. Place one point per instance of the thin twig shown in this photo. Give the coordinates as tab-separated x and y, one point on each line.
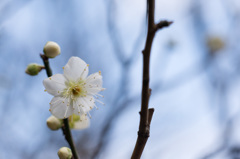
65	127
146	113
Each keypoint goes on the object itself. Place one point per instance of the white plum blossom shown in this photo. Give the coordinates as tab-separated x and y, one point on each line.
79	122
82	124
74	90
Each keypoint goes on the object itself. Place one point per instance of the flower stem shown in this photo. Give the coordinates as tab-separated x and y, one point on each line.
65	128
46	64
68	137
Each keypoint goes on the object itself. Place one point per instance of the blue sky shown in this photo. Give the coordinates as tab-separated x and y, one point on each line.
192	105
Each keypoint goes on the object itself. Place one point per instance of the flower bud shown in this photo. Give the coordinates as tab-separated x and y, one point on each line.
51	49
33	69
215	43
65	153
54	123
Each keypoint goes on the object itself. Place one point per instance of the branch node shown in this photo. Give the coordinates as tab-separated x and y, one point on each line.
150	114
149	92
163	24
45	58
143	134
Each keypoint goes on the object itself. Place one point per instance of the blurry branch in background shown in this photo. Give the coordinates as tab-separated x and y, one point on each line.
225	141
146	113
220	79
223	84
121	100
116	38
179	80
227	122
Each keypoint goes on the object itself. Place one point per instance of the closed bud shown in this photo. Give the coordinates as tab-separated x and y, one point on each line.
51	49
215	43
33	69
65	153
54	123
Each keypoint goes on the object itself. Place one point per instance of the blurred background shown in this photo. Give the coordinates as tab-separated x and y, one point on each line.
195	68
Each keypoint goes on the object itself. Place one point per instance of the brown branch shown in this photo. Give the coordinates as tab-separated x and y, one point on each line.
146	113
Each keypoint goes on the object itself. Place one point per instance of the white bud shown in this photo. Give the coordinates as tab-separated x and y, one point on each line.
54	123
33	69
65	153
51	49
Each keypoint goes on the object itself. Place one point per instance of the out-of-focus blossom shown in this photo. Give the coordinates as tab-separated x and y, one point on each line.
215	43
79	122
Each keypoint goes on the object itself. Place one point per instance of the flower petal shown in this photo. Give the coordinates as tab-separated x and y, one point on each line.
94	83
83	105
61	107
55	84
75	69
83	123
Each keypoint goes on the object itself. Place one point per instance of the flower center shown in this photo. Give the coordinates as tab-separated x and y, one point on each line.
76	91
